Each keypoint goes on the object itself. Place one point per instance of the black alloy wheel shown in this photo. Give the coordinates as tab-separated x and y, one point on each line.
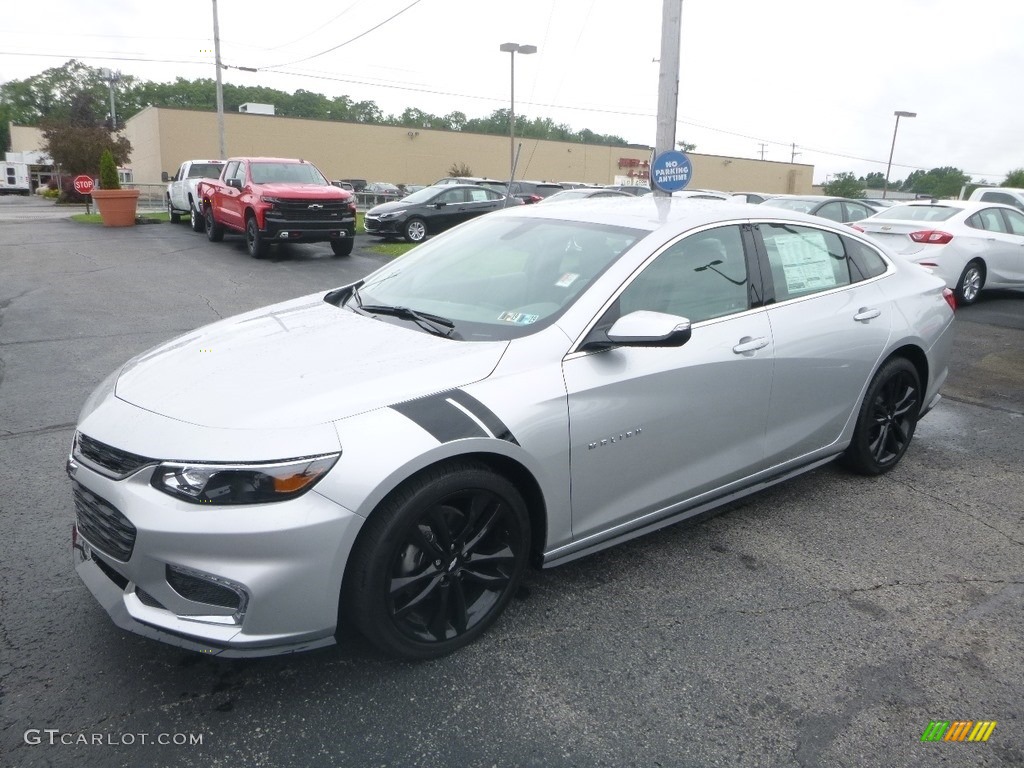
887	419
254	240
438	561
214	231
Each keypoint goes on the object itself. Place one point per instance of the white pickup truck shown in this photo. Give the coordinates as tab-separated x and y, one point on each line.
181	191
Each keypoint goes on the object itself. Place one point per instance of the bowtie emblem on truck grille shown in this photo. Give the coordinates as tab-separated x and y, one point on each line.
314	206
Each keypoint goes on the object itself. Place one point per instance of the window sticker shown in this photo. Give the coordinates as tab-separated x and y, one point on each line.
518	318
806	262
567	279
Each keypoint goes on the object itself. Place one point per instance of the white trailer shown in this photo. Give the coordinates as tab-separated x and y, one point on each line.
15	179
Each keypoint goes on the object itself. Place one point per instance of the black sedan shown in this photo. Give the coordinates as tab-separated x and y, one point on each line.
431	210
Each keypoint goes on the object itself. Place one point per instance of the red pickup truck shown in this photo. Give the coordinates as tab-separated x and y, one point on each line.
274	200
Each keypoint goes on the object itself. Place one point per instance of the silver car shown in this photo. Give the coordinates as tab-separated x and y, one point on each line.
533	386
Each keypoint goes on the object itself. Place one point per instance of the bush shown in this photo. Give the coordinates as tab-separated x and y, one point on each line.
68	194
108	171
50	193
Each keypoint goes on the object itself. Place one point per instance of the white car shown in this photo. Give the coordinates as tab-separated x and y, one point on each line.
969	244
530	387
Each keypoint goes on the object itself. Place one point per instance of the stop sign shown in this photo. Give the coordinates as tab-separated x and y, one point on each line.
83	184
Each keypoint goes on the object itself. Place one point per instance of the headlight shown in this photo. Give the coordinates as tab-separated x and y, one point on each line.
241	483
391	214
268	199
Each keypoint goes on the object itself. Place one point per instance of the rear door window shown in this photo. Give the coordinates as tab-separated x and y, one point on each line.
804	260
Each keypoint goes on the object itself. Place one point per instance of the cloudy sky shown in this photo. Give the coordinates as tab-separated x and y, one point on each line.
755	74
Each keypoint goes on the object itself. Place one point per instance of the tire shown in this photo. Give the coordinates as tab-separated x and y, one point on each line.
254	241
172	214
415	230
214	231
437	561
971	281
887	419
342	247
195	218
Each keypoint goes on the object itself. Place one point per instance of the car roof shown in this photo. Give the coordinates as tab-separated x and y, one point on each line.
652	213
813	198
967	205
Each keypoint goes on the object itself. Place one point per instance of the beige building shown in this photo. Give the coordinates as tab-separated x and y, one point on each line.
163	138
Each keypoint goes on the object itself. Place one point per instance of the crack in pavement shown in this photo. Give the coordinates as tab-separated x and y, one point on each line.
986	406
6	435
210	305
95	336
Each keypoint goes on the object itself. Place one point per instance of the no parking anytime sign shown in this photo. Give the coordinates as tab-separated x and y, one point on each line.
671	171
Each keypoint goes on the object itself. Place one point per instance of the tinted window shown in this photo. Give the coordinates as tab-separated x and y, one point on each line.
832	211
1015	221
989	219
205	170
1001	197
856	211
804	260
918	212
452	196
232	170
700	277
864	262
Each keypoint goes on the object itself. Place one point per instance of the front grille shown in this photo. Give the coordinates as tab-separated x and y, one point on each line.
300	210
147	599
102	525
202	590
117	463
110	573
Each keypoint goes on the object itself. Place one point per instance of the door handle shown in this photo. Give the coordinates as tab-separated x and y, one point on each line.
748	344
866	314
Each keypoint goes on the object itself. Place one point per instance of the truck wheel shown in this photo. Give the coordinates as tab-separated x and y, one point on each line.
172	214
195	217
214	231
254	241
342	247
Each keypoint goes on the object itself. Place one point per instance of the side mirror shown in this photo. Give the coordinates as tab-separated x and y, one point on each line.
165	176
642	328
236	183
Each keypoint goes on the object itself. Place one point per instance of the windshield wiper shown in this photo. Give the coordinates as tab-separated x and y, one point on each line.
435	324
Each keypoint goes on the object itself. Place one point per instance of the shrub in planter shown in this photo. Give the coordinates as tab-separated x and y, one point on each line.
116	205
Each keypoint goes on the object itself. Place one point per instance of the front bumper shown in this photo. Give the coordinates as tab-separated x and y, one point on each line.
284	560
382	226
281	229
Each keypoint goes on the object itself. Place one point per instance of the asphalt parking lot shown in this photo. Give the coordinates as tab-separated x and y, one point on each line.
825	622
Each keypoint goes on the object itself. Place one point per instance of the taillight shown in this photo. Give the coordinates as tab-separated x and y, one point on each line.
532	199
950	298
935	236
851	225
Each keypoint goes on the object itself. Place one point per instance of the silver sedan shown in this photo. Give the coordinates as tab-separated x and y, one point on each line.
533	386
969	244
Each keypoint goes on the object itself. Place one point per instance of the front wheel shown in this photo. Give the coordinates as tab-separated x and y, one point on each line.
415	230
970	283
172	214
342	247
255	243
887	419
214	231
438	561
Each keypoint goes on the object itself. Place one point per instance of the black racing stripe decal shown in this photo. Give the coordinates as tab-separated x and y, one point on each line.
485	414
440	418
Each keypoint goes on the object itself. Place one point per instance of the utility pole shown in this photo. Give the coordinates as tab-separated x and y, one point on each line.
762	150
668	79
793	155
111	77
220	84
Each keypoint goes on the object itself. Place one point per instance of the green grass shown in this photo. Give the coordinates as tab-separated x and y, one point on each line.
389	248
94	218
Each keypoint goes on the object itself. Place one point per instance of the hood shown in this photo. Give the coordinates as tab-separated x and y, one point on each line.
302	362
302	191
394	205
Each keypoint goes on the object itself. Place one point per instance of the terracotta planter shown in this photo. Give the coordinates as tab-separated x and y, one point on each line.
116	206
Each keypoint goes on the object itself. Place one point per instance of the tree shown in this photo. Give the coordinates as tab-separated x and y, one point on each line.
876	180
940	182
1014	178
460	169
685	146
844	185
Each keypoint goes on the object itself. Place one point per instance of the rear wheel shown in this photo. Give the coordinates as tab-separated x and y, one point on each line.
342	247
214	231
438	561
887	419
255	243
415	230
970	283
172	214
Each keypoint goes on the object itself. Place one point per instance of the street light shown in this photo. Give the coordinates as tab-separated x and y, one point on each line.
899	113
512	49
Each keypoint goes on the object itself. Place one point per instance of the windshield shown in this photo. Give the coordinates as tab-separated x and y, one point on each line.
293	173
205	170
424	194
918	212
803	206
499	278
